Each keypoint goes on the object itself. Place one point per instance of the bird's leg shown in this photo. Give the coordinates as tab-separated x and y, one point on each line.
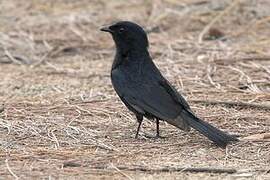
138	129
157	135
139	119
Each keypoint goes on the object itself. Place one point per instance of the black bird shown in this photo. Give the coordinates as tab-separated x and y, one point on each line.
144	90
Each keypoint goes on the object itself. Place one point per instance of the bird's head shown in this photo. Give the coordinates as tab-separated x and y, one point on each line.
127	35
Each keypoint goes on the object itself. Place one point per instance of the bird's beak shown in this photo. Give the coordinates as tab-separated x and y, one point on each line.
106	29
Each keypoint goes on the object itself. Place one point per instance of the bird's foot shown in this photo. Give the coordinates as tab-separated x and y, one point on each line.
154	137
150	136
137	135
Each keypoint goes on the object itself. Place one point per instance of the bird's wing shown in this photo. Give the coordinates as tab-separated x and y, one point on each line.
169	88
147	97
174	94
154	98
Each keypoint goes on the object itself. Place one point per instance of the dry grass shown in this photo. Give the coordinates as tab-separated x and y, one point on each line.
62	119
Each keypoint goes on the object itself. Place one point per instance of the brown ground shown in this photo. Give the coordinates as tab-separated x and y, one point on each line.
62	119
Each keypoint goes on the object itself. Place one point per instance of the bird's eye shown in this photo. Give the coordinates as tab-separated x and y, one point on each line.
121	30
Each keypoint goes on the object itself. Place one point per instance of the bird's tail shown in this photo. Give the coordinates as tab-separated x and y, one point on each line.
214	134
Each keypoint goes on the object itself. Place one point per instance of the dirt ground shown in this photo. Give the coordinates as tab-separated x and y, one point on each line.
61	118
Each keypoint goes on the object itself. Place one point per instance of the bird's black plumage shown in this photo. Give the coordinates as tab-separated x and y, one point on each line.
144	90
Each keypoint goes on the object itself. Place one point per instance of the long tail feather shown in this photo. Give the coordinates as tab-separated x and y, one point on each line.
217	136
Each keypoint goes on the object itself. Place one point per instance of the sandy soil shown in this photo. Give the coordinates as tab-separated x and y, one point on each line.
61	118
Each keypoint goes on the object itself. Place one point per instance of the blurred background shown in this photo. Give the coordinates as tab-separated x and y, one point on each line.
60	116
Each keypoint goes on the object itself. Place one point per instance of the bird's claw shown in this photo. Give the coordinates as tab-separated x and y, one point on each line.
154	137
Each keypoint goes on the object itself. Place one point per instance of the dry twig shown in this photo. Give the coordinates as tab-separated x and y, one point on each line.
233	104
181	169
10	171
218	17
